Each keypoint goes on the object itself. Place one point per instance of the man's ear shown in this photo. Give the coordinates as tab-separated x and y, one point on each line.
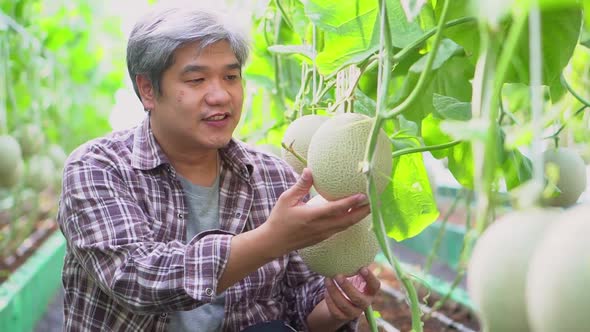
146	91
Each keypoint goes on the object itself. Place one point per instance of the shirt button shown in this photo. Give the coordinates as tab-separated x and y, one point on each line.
209	292
180	215
238	214
164	315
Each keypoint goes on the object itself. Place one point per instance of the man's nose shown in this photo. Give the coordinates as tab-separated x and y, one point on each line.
217	93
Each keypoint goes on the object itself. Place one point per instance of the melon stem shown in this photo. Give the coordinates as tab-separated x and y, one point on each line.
294	153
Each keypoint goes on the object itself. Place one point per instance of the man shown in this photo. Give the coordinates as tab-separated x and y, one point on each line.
175	225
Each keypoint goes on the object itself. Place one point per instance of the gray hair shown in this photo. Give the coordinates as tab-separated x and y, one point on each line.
156	36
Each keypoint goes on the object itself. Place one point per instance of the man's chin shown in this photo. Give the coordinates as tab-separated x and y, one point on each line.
220	144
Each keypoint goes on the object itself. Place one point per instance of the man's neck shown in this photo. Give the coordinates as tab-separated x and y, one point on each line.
198	165
200	168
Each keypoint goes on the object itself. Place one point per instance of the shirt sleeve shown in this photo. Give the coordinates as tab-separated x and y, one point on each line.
109	235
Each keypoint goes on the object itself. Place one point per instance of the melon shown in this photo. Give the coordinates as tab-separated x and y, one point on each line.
344	252
31	138
336	153
297	136
12	179
57	155
10	158
40	172
559	274
572	176
497	269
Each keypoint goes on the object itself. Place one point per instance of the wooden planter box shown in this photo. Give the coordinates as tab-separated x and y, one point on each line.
25	295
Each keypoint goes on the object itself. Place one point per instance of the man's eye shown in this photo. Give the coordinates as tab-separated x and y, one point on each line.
197	80
233	77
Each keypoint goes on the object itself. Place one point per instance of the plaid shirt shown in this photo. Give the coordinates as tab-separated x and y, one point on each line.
128	263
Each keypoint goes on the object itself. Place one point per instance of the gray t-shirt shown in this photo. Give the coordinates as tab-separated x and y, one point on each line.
203	204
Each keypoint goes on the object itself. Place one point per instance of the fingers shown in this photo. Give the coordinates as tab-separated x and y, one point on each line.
340	307
355	296
341	206
373	284
345	300
293	195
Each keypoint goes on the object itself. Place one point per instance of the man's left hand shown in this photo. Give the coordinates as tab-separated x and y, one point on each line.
347	298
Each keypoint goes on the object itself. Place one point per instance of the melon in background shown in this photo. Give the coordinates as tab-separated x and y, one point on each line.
497	270
40	173
572	176
11	162
557	291
31	139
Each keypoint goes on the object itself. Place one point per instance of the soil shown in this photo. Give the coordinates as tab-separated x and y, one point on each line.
397	312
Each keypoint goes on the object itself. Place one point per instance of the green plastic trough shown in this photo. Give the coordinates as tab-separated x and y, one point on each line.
25	295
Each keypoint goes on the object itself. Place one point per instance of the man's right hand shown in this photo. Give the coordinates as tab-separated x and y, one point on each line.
293	225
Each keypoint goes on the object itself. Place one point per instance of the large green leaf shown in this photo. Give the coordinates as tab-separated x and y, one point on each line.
342	17
407	204
450	108
351	31
293	13
343	50
495	11
466	34
433	135
363	104
403	33
461	164
560	30
451	79
517	169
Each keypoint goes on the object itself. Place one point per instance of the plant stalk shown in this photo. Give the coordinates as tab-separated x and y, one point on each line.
402	152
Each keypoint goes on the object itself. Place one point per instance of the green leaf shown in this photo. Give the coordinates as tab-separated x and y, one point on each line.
305	50
407	204
408	127
363	104
350	35
517	169
433	135
294	15
451	79
340	51
403	32
473	130
461	164
446	50
406	136
451	108
402	142
341	17
467	34
560	30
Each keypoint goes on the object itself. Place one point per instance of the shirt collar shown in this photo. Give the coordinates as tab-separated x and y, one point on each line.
147	153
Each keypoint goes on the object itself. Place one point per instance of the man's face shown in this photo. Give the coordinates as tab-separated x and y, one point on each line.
201	98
